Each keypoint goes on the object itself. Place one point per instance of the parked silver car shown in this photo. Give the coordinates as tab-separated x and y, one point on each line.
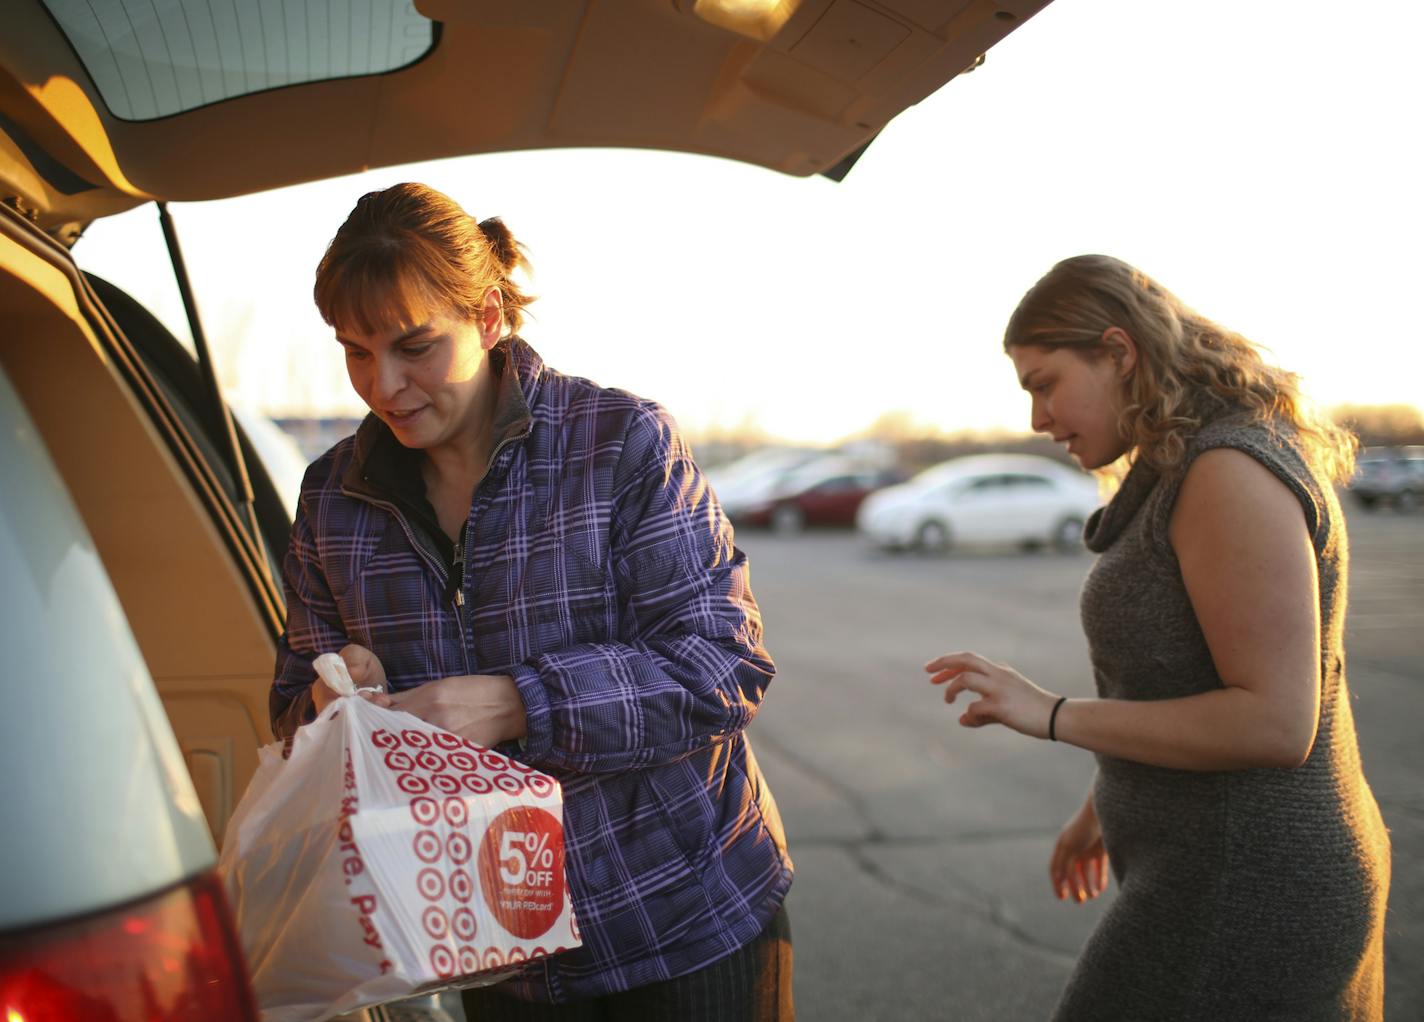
1389	476
1017	499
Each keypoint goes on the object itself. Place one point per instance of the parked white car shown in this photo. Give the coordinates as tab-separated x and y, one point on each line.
1018	499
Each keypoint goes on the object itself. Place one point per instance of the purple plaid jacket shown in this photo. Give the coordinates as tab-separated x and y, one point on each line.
597	568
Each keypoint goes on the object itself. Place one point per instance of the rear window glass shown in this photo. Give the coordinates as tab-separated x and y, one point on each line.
153	58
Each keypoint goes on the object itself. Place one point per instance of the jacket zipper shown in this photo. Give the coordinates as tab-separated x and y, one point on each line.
433	562
453	577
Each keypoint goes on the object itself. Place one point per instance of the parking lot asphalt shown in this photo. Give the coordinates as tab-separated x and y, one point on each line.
921	847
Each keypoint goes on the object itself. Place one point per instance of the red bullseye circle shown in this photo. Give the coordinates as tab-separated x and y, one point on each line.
493	761
463	923
446	740
432	761
435	922
424	810
442	960
399	761
447	783
539	785
431	884
493	959
383	739
521	867
459	848
456	812
412	785
415	739
516	955
462	761
509	784
469	959
427	846
479	784
461	886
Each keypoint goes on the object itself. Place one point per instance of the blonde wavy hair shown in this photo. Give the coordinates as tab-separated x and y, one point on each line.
409	249
1189	370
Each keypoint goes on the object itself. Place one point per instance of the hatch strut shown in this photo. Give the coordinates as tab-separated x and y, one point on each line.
221	416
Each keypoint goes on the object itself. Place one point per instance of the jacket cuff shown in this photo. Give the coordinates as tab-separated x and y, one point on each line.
538	729
300	710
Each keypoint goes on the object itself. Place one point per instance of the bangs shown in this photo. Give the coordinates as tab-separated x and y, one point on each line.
373	290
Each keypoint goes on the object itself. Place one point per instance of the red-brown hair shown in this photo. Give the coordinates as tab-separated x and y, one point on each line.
409	249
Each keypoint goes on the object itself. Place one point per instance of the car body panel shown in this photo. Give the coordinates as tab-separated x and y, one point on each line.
503	75
77	838
209	645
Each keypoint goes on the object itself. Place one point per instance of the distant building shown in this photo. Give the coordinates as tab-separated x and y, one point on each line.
315	437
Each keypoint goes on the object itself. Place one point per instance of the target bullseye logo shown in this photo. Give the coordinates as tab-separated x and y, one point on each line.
476	784
412	784
424	810
415	739
509	784
447	784
493	761
427	846
431	761
462	761
435	922
463	923
456	812
431	884
462	886
521	866
383	739
442	960
459	848
399	761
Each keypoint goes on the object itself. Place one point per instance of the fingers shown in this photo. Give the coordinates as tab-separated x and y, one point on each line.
954	663
964	683
364	666
322	695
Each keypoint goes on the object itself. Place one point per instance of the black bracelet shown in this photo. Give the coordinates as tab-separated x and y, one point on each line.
1053	718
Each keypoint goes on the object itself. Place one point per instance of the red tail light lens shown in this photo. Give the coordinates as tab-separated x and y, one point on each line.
173	958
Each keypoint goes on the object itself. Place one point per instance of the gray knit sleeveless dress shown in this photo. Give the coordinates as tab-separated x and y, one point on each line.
1243	894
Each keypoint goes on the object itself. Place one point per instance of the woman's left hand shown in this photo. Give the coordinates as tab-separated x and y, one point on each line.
1005	696
485	708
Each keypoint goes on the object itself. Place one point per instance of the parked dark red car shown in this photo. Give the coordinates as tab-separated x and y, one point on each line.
829	496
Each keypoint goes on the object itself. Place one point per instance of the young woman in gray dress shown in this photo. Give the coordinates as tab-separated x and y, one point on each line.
1252	863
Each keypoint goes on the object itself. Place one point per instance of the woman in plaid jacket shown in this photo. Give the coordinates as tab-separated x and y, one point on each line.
535	562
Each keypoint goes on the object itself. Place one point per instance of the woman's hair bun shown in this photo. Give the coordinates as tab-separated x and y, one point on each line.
501	242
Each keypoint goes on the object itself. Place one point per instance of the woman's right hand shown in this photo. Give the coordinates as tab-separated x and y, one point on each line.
1079	867
366	671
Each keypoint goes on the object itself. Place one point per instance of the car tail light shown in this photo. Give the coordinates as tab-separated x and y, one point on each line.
172	958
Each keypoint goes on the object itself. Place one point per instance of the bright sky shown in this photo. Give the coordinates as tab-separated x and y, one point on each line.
1259	158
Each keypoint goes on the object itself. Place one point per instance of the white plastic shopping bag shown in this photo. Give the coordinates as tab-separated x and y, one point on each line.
384	856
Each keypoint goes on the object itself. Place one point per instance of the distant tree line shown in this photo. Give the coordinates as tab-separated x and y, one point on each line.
916	445
1382	425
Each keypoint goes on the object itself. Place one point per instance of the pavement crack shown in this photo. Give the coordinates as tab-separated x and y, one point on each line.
961	896
854	799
